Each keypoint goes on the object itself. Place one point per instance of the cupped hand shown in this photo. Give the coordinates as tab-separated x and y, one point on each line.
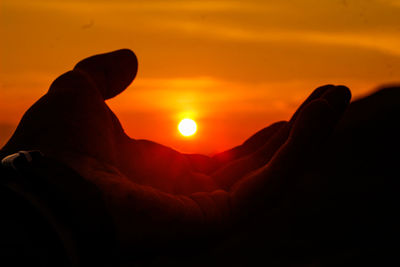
154	193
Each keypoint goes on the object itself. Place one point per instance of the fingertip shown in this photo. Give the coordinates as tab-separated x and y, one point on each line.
345	92
111	72
320	90
125	61
338	97
123	69
317	93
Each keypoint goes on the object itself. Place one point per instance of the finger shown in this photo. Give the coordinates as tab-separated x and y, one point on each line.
315	122
74	110
249	146
146	218
103	76
317	93
234	170
110	72
260	148
266	152
338	97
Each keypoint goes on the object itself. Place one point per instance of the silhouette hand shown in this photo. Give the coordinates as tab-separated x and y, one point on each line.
153	193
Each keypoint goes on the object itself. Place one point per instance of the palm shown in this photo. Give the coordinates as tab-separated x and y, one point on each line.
151	190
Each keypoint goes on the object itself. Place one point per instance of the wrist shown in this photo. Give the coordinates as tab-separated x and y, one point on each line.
68	207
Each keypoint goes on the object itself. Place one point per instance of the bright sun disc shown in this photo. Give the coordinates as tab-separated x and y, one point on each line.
187	127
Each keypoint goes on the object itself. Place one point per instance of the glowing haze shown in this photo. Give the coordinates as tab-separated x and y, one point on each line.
233	66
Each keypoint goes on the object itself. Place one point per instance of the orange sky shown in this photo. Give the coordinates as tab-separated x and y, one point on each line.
233	66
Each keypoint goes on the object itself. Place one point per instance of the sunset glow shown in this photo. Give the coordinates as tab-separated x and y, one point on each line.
241	65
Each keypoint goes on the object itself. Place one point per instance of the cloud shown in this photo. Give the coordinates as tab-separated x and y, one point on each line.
383	42
136	6
367	24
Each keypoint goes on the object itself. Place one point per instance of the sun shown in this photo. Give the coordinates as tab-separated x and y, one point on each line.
187	127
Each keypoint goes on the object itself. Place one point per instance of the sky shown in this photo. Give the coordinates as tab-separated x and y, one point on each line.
233	66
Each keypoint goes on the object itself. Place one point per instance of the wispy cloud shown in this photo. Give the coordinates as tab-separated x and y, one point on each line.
137	6
175	17
380	41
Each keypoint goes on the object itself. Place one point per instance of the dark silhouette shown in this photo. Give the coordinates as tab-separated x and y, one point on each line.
320	189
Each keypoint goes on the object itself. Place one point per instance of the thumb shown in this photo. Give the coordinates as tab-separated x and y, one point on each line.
111	73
